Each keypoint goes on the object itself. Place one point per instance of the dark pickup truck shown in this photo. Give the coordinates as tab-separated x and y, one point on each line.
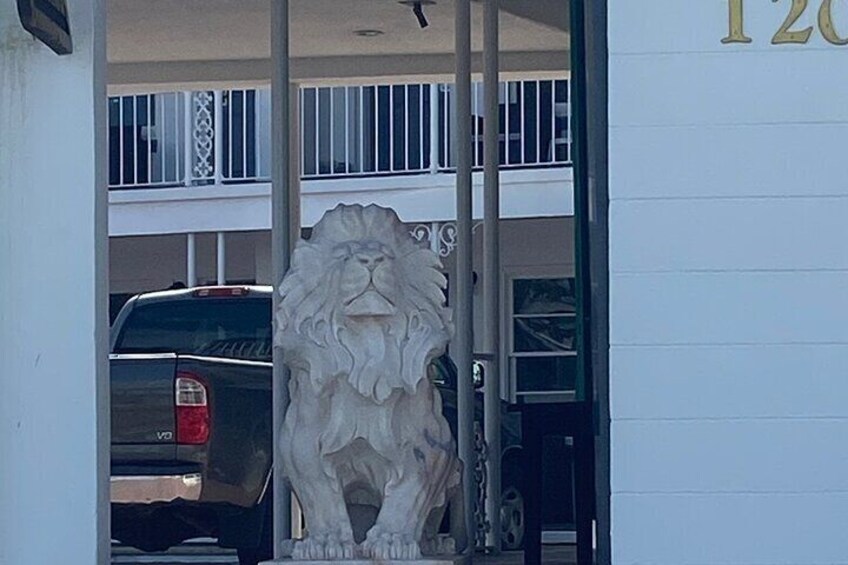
191	421
191	418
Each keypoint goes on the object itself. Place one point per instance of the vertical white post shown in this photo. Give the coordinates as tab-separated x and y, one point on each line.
187	139
222	258
218	134
464	340
492	269
434	237
191	260
434	128
54	368
281	243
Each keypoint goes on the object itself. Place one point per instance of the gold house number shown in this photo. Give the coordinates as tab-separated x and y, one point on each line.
786	33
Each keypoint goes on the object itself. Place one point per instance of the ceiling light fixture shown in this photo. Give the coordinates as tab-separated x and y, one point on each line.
368	32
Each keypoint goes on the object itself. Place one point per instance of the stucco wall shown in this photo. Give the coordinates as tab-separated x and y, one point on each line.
54	444
728	287
139	264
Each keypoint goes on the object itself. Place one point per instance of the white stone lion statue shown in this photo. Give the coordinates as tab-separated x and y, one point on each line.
365	446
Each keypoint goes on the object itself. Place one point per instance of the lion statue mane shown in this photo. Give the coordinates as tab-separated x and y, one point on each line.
365	446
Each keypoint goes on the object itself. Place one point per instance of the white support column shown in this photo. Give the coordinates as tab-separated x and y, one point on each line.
434	128
492	269
191	260
218	134
222	258
434	237
54	372
463	343
281	242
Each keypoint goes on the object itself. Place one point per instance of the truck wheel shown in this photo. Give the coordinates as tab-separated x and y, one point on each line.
512	519
265	550
254	555
512	503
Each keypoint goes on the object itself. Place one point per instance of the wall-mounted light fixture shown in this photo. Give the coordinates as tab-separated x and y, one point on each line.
418	10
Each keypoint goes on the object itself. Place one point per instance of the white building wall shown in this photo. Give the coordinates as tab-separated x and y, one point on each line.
140	264
54	416
728	287
146	263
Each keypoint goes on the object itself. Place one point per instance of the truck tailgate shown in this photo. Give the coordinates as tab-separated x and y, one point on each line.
142	405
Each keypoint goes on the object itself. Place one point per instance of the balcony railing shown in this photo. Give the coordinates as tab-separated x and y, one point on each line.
208	137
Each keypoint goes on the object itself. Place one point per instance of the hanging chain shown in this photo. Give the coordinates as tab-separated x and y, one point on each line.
481	450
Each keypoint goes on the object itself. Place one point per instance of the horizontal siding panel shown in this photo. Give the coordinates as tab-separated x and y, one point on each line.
774	381
728	308
742	529
775	160
675	26
679	235
720	88
729	456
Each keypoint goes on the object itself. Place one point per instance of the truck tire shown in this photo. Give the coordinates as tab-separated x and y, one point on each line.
512	503
512	519
265	550
254	555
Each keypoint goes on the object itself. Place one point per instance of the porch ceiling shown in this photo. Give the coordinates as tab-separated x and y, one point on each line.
231	38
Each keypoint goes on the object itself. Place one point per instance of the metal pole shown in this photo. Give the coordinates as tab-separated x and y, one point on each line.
280	245
191	260
295	160
582	212
464	340
492	269
222	258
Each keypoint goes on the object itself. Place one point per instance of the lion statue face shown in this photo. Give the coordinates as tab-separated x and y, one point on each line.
369	281
363	301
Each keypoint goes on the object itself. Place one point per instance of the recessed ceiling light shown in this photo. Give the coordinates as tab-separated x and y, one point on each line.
368	32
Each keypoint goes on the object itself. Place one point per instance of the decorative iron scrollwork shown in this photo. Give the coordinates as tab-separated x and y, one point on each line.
440	235
203	134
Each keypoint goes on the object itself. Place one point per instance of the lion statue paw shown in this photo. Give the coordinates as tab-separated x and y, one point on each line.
385	545
326	546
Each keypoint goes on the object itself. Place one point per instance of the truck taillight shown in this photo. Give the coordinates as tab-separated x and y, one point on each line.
192	409
219	291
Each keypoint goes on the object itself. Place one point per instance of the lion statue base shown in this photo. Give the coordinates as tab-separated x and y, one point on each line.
365	446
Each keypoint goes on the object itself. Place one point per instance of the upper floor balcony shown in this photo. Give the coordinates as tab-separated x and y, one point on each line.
366	140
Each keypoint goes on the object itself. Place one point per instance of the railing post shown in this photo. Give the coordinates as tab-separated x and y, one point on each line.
218	132
434	237
434	128
187	139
